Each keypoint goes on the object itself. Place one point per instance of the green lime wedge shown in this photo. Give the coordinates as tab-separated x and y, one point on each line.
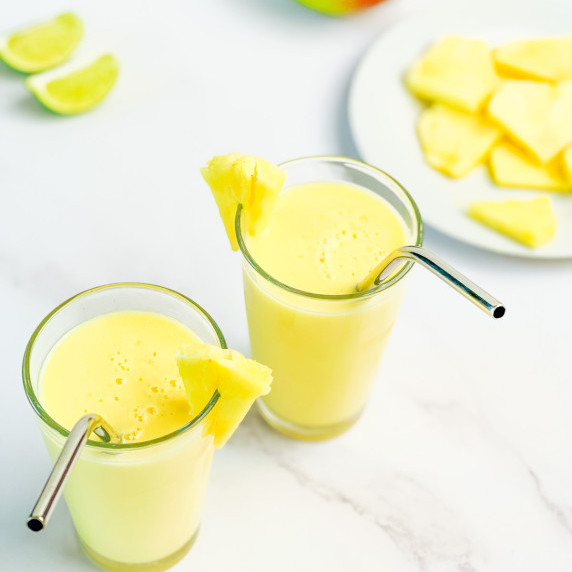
43	46
78	91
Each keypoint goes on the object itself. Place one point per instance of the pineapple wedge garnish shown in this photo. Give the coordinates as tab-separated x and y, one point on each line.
567	163
530	222
456	71
547	59
239	381
536	115
217	175
511	167
243	179
454	142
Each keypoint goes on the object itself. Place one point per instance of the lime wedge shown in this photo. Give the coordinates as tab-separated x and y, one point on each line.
78	91
239	381
43	46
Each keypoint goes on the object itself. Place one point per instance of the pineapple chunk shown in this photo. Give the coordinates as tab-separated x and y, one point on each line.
567	161
453	141
547	59
216	174
510	167
456	71
239	381
263	182
531	222
243	179
536	115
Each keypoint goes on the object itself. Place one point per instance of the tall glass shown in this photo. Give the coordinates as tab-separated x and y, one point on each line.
324	350
135	506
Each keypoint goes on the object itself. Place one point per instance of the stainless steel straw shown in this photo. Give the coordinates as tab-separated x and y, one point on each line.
69	454
440	268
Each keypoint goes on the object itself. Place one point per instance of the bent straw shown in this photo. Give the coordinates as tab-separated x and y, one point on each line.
67	458
441	269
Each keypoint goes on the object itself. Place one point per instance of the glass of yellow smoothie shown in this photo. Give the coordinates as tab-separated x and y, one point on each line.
136	505
333	222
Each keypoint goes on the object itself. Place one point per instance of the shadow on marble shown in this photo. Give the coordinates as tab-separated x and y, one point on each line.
58	539
29	106
7	72
254	430
346	141
282	9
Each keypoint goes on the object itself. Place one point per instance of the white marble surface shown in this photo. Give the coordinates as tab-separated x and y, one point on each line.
463	458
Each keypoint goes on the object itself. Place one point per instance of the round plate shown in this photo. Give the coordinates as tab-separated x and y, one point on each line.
383	115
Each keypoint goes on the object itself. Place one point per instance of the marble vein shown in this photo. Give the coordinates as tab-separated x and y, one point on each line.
431	544
550	505
439	409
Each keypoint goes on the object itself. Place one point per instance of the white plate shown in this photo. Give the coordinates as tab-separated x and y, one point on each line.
383	114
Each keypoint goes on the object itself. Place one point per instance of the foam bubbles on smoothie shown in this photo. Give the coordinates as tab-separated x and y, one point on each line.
128	371
133	434
324	236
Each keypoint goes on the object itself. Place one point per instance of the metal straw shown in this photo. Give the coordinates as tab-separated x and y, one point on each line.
67	458
440	268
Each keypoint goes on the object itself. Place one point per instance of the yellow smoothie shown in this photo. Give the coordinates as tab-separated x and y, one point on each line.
143	505
325	237
322	238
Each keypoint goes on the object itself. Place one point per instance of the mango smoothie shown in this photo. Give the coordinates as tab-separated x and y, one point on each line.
322	339
135	505
122	366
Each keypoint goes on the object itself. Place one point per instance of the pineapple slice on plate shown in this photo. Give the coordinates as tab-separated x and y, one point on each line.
456	71
536	115
511	167
547	59
454	142
531	221
243	179
239	381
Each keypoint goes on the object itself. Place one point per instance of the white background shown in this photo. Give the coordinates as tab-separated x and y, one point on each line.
463	458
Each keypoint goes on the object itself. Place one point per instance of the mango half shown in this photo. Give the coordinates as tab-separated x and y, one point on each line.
338	7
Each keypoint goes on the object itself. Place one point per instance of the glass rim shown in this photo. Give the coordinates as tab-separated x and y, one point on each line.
382	175
53	424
